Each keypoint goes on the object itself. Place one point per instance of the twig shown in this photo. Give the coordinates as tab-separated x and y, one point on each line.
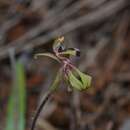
90	19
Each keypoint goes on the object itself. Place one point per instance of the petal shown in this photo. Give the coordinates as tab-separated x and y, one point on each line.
57	44
79	80
75	83
57	81
86	79
71	52
48	55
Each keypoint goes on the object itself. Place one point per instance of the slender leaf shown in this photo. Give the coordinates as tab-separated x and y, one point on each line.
10	114
21	95
16	104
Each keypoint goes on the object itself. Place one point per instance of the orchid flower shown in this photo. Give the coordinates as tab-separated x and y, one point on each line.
72	75
77	80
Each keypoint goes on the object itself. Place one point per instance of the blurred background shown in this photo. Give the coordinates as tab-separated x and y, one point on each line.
100	29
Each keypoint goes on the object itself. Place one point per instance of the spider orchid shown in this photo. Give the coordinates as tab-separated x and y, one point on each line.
70	73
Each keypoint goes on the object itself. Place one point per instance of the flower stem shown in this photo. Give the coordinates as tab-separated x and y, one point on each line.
39	109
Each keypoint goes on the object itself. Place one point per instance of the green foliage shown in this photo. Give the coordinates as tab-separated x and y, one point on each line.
16	105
